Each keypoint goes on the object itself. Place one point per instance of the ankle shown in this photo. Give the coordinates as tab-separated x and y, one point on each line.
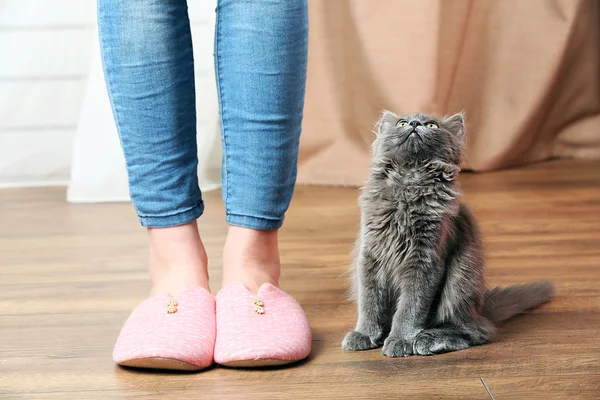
177	258
252	257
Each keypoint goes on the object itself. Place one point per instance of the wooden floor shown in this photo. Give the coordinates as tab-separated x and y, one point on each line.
70	274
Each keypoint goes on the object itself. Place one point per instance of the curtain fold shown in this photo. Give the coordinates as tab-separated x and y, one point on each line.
526	74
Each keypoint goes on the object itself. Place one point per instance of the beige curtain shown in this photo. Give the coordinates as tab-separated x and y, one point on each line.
526	73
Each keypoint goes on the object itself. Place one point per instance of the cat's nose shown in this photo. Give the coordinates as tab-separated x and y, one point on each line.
414	124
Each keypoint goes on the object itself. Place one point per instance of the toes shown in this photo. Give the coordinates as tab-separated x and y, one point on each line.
356	341
396	347
422	345
428	343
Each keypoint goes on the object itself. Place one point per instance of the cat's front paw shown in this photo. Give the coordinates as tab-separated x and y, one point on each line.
397	347
424	344
433	341
356	341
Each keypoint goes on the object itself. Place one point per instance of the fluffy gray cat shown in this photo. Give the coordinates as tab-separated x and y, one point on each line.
418	269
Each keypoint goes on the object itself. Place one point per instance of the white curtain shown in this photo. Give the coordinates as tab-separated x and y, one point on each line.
98	168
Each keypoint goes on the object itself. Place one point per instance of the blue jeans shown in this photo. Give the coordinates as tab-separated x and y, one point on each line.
260	63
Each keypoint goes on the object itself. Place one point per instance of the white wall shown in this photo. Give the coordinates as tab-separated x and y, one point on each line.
46	48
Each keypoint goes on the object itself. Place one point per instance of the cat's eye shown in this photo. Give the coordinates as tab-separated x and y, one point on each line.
432	125
401	123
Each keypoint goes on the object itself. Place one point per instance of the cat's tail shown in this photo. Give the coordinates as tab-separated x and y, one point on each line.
503	303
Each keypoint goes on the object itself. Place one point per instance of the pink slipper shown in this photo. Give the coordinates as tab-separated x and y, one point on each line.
268	328
169	332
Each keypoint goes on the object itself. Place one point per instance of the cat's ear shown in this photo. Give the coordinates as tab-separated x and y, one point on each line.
387	120
456	125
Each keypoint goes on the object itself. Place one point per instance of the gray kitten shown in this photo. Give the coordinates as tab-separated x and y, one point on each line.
419	278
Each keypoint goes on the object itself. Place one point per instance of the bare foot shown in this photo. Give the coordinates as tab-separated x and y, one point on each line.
177	259
252	257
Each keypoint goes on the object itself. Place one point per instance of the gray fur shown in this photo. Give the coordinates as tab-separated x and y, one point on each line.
418	268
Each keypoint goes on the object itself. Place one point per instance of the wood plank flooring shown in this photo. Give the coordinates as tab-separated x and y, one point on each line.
70	275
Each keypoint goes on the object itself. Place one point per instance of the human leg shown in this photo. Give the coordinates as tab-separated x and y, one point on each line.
149	69
260	62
